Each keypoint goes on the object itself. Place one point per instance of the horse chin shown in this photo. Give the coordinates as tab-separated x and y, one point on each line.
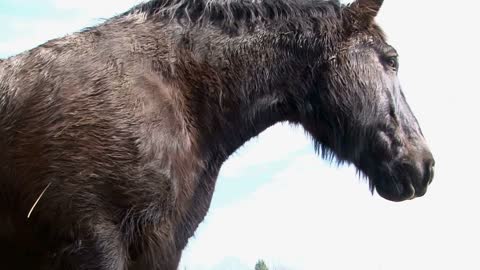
398	182
397	179
395	191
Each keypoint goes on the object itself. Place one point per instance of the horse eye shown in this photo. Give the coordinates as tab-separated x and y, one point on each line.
393	62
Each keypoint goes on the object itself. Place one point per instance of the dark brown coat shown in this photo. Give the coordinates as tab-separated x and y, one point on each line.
119	131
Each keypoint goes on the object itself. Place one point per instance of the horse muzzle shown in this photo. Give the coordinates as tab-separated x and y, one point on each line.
405	181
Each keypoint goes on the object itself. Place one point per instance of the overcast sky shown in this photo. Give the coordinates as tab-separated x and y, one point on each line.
277	200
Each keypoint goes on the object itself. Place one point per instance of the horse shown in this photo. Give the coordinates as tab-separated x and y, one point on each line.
112	138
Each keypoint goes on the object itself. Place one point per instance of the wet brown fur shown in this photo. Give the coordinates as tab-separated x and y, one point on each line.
130	121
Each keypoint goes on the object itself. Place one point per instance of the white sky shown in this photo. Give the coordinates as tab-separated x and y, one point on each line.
312	216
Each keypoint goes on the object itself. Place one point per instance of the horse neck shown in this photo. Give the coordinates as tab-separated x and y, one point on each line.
247	89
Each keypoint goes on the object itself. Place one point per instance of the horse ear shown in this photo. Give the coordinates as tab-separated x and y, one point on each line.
360	14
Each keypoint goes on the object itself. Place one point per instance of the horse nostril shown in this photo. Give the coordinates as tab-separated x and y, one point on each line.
429	171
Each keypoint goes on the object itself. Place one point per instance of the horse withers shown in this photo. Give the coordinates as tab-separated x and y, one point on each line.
111	139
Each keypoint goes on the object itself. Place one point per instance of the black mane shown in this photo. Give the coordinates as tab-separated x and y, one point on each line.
241	13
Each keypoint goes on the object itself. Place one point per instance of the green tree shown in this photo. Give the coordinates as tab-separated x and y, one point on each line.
261	265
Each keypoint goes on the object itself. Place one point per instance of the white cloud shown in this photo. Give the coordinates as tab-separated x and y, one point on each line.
312	216
30	33
278	143
277	221
66	17
95	8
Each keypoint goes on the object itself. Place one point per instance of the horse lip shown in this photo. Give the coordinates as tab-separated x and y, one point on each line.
407	192
410	188
420	191
414	193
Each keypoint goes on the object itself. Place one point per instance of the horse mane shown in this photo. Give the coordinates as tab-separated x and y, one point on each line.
240	13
